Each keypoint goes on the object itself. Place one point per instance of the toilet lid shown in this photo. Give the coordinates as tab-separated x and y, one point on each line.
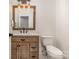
54	50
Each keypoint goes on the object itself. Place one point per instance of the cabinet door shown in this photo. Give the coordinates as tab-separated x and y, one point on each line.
19	49
23	51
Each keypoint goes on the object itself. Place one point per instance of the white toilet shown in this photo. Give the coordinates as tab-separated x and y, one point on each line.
52	51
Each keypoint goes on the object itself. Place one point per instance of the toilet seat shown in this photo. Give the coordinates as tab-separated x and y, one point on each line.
51	50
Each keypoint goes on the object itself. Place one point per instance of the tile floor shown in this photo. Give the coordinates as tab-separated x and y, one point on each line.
44	57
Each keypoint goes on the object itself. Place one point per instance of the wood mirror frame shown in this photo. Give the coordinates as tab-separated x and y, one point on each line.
34	17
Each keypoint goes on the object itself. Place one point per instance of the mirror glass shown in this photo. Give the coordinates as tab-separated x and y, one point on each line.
24	18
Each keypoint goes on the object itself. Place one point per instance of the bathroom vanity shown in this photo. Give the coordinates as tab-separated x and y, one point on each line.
25	47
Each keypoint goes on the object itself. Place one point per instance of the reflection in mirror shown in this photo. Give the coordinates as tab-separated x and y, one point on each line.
24	22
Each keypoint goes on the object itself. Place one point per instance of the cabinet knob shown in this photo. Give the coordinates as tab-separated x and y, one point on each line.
33	47
18	45
33	56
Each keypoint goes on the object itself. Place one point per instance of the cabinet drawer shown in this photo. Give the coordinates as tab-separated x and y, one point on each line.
33	40
29	39
25	38
33	47
15	40
33	55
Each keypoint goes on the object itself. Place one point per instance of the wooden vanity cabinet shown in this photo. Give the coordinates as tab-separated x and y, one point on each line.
25	47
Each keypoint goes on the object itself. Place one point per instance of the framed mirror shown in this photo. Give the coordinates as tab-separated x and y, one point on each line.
24	17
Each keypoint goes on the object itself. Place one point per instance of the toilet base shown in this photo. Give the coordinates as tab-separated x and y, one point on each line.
55	57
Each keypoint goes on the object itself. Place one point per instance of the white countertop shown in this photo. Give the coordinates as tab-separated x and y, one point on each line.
29	33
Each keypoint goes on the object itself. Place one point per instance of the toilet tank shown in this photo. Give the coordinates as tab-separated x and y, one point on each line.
48	40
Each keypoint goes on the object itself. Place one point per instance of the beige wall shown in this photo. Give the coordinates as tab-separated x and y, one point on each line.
47	11
62	35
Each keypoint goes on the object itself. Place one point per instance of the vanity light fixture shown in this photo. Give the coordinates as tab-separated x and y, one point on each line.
24	3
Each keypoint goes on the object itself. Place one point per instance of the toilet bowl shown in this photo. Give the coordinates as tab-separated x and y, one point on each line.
53	52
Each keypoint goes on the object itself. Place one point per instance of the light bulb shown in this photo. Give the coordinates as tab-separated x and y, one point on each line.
23	6
18	6
28	6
